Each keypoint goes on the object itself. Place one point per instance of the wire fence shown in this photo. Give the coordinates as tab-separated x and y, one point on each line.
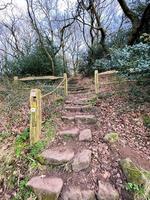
49	99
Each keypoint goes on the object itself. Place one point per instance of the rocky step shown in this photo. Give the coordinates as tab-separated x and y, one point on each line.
78	108
79	91
52	188
62	155
77	102
76	88
57	156
84	135
82	160
87	119
73	81
46	187
74	132
75	193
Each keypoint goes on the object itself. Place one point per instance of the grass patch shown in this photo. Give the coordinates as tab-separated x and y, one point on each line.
22	163
92	101
4	135
138	191
146	121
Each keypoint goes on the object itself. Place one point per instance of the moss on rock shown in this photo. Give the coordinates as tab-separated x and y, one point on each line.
111	137
138	176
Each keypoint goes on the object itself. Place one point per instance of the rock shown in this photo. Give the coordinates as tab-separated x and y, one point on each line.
132	172
136	175
77	194
46	188
70	133
68	118
106	191
77	108
57	156
106	175
85	135
72	194
79	92
81	161
88	119
88	195
73	108
111	137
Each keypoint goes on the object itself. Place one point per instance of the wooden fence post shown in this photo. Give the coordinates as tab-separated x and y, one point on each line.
35	116
65	84
96	82
15	79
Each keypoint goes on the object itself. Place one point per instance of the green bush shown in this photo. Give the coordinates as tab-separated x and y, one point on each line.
87	66
35	63
130	61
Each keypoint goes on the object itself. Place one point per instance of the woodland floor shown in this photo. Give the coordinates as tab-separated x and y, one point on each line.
114	113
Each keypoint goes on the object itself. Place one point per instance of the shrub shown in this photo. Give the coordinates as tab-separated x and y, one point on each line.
35	63
130	61
87	65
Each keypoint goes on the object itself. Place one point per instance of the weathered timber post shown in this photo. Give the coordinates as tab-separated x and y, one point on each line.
15	79
35	115
65	84
96	82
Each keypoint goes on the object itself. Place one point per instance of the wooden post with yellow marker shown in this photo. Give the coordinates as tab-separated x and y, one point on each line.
65	84
16	79
35	116
96	82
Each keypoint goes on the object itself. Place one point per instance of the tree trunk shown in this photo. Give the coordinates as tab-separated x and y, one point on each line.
138	25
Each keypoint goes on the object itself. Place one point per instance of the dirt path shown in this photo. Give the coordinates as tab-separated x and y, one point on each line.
84	165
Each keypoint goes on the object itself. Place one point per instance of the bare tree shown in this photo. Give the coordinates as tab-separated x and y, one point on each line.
137	22
5	5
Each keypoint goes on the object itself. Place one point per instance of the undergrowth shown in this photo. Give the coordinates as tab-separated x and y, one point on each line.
22	163
138	191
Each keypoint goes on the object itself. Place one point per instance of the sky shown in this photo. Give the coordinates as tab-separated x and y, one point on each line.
21	4
21	7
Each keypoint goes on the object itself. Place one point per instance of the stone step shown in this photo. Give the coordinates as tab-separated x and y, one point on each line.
79	103
79	91
87	119
75	88
73	81
107	191
70	133
68	119
82	160
76	193
57	156
46	187
51	187
78	108
85	135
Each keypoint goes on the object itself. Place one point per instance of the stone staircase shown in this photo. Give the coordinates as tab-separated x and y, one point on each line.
70	158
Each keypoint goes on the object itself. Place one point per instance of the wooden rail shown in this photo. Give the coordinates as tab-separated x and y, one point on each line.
111	77
36	100
33	78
